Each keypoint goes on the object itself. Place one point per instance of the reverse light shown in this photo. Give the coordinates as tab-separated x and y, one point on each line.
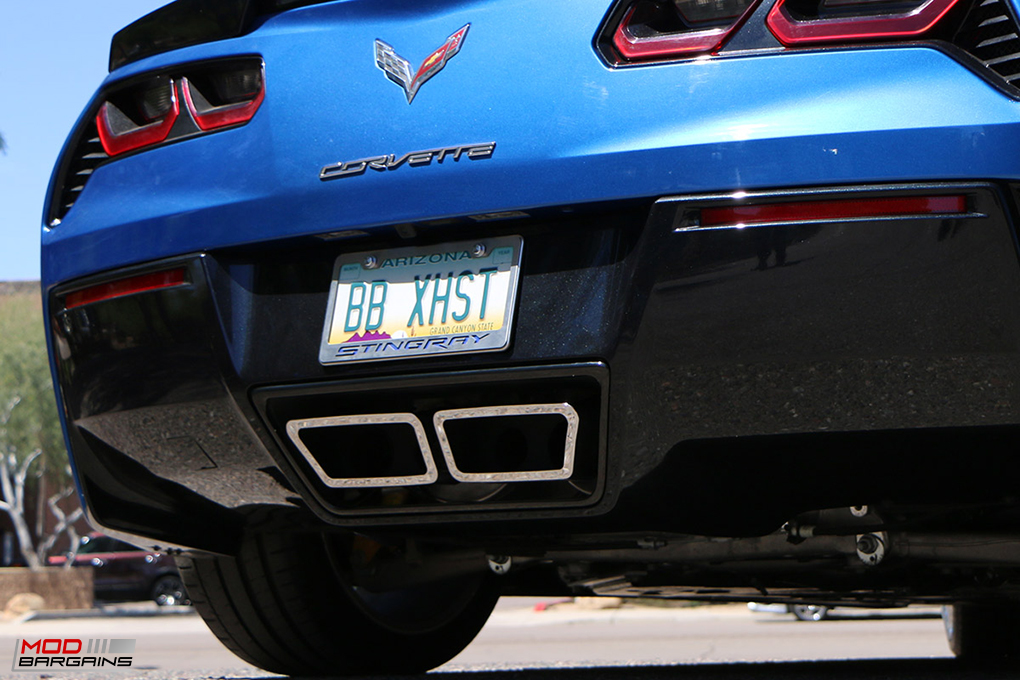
826	211
123	287
682	28
800	22
138	117
221	96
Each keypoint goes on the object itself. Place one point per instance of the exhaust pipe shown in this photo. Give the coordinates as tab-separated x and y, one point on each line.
536	439
370	450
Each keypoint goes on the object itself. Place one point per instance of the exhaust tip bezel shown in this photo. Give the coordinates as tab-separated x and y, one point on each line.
294	428
568	412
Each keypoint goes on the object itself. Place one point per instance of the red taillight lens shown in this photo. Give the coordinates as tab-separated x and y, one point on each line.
648	31
683	28
217	95
218	98
824	211
795	22
138	116
128	286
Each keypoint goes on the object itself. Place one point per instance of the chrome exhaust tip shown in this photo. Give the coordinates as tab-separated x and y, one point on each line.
431	474
441	418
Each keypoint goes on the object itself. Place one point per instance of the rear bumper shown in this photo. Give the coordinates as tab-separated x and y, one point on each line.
707	384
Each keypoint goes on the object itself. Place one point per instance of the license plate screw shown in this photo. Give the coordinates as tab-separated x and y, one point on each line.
478	250
370	262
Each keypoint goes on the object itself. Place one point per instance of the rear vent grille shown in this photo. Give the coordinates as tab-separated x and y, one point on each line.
990	33
87	155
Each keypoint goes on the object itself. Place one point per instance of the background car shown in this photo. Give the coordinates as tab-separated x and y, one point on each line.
817	612
123	572
803	612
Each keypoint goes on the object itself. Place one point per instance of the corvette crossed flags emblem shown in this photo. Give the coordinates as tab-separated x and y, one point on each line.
398	69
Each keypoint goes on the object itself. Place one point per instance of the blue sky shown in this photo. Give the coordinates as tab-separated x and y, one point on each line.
53	56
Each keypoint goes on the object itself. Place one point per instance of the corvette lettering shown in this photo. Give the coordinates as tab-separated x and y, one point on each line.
398	69
412	159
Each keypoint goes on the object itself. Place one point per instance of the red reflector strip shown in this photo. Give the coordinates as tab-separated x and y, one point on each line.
224	115
790	31
812	211
147	135
129	286
673	44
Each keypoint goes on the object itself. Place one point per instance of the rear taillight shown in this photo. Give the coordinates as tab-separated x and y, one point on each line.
146	113
218	97
800	22
652	30
649	31
138	116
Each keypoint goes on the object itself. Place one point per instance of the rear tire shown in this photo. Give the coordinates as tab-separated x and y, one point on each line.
284	604
983	634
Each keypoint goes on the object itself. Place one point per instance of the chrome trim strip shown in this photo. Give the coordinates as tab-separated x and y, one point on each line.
294	428
565	410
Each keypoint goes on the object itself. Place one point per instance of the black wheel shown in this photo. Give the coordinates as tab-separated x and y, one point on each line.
983	633
168	590
810	612
285	604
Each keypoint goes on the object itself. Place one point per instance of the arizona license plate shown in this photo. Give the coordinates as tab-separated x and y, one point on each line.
408	302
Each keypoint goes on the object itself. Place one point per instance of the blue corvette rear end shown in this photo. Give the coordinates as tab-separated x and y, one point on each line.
374	310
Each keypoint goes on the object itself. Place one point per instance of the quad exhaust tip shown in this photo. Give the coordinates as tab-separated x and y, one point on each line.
431	474
439	421
566	410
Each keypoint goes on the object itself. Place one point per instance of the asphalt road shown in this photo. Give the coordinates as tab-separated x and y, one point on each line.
567	642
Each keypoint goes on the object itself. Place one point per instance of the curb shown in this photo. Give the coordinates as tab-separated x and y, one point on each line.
103	612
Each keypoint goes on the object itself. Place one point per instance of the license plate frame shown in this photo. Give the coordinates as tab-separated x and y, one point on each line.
372	290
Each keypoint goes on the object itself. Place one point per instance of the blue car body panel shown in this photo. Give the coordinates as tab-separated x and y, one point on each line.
568	129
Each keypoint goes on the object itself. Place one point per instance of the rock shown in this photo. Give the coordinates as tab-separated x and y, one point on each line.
22	603
598	602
